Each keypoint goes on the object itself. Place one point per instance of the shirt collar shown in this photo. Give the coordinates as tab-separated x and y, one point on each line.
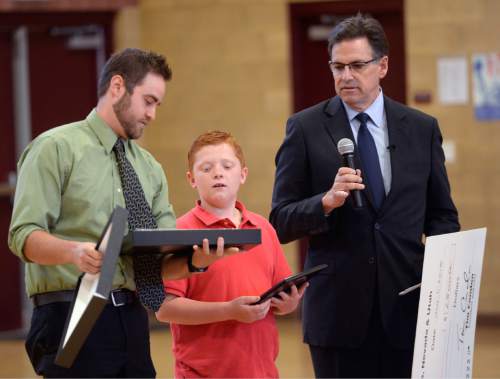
375	111
211	220
106	136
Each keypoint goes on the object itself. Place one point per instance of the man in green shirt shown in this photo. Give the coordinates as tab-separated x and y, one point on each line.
68	185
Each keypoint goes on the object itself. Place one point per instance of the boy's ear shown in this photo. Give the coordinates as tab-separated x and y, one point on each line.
190	179
244	174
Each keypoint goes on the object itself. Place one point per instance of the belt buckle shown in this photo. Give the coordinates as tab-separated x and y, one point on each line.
113	300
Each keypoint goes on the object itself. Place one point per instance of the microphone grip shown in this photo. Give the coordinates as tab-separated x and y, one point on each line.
356	194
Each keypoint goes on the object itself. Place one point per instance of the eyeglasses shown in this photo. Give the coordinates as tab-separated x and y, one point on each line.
357	66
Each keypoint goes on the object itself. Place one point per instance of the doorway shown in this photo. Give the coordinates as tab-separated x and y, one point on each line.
61	53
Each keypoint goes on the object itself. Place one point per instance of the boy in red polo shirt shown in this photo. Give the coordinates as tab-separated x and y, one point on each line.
216	330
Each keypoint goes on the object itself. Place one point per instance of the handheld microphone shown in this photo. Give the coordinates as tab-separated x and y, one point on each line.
346	148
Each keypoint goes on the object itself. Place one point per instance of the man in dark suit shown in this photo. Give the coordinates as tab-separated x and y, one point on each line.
354	321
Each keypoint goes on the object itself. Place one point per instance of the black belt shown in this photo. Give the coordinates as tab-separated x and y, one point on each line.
117	297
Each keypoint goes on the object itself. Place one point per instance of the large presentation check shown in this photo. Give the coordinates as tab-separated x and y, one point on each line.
449	295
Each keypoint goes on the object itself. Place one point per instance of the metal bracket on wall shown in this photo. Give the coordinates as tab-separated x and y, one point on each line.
87	37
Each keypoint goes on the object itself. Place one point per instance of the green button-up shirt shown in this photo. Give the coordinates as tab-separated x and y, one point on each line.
68	185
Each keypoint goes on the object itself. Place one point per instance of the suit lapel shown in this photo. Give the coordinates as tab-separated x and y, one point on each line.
398	137
337	124
338	127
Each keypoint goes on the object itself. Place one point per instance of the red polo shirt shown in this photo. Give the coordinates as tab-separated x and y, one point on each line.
230	348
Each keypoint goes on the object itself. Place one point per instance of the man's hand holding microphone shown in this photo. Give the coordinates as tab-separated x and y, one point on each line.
347	182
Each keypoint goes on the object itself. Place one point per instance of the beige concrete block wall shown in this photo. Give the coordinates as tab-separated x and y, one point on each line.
459	27
231	67
229	60
230	72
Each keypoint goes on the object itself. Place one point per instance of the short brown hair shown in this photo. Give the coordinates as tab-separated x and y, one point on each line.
133	65
360	26
215	137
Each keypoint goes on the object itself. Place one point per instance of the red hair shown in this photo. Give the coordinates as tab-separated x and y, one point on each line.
211	138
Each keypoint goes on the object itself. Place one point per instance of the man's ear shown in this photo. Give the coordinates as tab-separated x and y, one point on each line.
244	174
190	179
384	66
117	87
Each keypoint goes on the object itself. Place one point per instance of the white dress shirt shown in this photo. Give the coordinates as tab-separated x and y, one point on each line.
377	126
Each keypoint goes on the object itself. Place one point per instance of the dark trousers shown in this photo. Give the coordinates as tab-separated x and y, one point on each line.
375	358
117	346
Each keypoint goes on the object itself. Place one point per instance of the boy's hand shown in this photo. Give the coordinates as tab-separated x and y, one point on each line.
288	302
203	257
241	309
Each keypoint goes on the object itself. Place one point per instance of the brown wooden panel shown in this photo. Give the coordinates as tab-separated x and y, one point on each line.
10	296
63	5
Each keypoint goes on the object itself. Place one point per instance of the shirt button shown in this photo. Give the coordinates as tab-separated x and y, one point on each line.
119	190
377	226
371	260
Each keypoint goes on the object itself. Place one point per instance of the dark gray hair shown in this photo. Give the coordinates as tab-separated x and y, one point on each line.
357	27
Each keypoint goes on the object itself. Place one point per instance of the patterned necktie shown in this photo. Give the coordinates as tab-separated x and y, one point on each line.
370	161
147	267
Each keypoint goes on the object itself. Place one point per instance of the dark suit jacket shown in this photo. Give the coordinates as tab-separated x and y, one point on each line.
364	248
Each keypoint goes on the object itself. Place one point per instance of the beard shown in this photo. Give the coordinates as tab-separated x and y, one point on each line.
126	118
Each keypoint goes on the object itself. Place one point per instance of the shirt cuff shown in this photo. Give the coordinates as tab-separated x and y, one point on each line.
18	239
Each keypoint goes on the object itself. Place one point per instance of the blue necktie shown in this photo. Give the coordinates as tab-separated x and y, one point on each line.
368	152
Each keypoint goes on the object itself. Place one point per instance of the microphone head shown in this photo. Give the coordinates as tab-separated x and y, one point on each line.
345	146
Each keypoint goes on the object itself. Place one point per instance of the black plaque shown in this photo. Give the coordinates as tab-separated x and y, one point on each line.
92	291
181	240
286	284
